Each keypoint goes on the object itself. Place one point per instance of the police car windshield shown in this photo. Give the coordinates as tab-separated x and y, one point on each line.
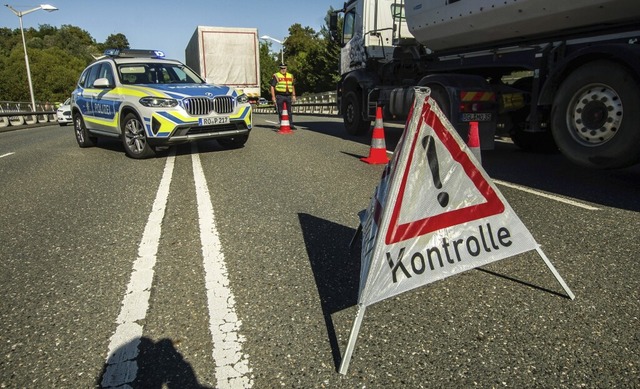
157	73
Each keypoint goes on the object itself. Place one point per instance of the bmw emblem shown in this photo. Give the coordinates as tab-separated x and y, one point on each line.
209	94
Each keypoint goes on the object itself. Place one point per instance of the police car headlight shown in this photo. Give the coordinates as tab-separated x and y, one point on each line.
243	99
158	102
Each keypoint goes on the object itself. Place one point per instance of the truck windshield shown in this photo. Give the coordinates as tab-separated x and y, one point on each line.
157	73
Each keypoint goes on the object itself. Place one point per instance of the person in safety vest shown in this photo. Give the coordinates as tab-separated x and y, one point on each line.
283	91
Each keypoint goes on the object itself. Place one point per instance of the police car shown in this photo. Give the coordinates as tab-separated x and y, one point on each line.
148	101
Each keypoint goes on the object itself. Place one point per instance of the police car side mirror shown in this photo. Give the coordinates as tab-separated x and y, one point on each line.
102	83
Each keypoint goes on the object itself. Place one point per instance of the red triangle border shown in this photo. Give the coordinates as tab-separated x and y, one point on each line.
493	206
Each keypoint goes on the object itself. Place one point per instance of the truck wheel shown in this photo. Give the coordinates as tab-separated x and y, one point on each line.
134	138
595	120
82	134
352	115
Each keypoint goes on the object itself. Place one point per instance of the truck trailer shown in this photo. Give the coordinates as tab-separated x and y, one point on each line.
227	56
551	74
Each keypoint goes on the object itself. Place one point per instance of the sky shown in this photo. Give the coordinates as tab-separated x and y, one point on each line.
167	25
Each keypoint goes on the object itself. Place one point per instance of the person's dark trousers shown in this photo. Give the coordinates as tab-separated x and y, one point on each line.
280	99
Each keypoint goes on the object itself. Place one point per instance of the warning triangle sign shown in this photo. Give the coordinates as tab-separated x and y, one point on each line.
434	146
435	212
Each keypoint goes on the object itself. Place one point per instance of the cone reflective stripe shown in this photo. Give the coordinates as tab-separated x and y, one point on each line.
378	150
285	128
474	141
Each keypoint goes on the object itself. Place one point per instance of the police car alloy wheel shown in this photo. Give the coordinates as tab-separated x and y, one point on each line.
134	139
82	135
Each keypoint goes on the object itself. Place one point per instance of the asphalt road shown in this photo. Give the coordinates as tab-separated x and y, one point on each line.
81	229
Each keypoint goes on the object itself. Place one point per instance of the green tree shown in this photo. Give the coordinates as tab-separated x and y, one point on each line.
55	73
302	49
268	66
331	65
313	58
77	41
57	56
13	74
9	39
115	41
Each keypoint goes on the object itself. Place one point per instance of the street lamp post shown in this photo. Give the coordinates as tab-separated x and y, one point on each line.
281	43
19	14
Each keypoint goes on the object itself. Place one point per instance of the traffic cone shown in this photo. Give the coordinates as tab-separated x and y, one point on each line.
474	141
378	150
285	128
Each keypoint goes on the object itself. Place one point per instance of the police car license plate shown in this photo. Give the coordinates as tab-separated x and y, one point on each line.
475	117
214	121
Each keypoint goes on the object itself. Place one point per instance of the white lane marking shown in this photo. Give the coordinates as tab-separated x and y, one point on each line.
122	367
6	155
272	122
232	366
552	197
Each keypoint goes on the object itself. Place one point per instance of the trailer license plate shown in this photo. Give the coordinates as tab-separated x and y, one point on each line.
475	117
214	121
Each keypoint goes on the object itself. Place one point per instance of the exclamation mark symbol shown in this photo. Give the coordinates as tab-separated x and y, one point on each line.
432	158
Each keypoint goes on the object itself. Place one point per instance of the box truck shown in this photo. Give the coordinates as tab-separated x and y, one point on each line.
227	56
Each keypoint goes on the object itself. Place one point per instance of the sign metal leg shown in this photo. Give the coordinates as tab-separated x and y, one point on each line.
555	273
344	364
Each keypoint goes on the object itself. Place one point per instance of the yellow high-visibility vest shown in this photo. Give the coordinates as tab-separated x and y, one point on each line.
285	82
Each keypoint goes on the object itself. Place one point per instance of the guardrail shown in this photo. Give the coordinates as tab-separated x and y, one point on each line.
18	114
316	104
304	108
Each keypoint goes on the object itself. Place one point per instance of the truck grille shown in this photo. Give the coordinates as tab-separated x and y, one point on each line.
197	106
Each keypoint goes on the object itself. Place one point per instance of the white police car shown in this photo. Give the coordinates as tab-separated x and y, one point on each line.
148	101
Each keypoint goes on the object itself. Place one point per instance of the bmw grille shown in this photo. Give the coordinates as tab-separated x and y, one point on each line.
198	106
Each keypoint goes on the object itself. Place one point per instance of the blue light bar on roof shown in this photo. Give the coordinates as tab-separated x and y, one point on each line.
112	52
133	53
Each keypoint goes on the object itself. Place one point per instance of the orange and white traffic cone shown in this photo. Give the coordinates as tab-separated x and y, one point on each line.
285	127
378	150
474	141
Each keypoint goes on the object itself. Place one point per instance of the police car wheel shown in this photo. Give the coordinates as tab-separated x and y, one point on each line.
134	138
82	134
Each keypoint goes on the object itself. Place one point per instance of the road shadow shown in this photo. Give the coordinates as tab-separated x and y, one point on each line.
392	131
336	269
521	282
145	364
202	147
553	173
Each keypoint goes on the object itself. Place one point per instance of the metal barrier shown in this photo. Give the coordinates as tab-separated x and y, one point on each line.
17	114
316	104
